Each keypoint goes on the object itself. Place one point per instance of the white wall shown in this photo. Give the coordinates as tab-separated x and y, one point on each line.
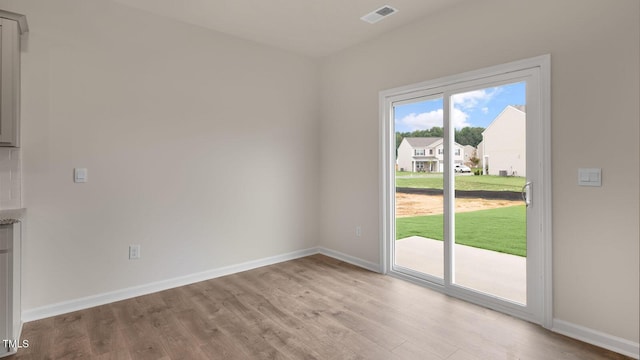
594	47
201	147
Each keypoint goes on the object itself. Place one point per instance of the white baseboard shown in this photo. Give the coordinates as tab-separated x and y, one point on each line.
597	338
105	298
350	259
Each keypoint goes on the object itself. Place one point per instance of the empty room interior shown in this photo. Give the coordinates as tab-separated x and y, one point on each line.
208	179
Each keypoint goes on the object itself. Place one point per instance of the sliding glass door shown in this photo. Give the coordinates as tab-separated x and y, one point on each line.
465	189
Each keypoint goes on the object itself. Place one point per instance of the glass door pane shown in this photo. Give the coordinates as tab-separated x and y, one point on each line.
418	245
490	169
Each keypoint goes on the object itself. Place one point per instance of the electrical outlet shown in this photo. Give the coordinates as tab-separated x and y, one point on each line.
358	231
134	252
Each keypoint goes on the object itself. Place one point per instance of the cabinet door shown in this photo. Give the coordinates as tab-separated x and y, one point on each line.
5	306
9	82
16	280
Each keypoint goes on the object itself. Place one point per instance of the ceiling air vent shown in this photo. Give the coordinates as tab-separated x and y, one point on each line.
379	14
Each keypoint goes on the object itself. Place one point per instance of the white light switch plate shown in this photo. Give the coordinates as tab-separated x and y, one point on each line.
80	175
134	252
590	177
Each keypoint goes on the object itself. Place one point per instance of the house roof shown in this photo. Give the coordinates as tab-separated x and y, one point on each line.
521	108
422	141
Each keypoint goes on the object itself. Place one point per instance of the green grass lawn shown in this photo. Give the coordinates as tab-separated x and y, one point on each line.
483	182
503	229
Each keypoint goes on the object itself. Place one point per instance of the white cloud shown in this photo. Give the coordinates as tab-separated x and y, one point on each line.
459	118
472	99
422	121
463	105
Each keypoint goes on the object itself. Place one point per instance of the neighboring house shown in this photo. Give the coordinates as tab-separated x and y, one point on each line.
417	154
503	146
469	152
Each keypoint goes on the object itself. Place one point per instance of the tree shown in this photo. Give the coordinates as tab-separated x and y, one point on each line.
474	160
465	136
433	132
469	136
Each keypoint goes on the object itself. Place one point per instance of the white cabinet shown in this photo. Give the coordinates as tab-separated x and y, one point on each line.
12	25
10	306
4	292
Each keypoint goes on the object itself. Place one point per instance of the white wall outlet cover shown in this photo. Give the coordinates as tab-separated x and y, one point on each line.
80	175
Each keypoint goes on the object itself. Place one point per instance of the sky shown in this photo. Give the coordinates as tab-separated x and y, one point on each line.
476	108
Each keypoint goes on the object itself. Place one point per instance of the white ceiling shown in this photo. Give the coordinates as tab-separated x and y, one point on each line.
311	27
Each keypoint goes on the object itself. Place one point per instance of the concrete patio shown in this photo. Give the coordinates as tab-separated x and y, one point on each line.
499	274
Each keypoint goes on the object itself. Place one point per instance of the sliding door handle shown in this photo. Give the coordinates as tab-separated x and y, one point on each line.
526	193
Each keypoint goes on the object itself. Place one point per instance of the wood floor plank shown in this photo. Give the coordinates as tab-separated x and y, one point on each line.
174	339
177	299
211	339
243	305
396	320
462	355
291	315
247	339
222	350
362	325
278	302
314	290
117	353
310	308
410	350
337	332
70	339
128	312
39	334
271	331
102	330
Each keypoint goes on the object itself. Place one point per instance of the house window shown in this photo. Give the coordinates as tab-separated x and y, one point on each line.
457	152
430	151
419	152
440	151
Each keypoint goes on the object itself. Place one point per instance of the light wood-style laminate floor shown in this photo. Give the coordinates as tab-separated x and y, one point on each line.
311	308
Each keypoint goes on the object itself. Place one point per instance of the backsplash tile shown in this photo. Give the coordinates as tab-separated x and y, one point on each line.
10	181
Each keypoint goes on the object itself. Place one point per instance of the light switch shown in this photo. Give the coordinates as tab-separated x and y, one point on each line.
590	177
584	176
80	175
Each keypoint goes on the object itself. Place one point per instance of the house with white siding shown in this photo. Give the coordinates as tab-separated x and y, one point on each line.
469	152
503	146
425	154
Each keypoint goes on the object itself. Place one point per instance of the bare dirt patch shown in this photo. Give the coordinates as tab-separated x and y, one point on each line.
417	204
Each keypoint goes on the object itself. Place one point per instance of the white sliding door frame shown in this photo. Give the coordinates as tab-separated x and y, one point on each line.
538	72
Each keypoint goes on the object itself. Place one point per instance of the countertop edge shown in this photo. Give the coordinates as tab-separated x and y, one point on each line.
7	215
